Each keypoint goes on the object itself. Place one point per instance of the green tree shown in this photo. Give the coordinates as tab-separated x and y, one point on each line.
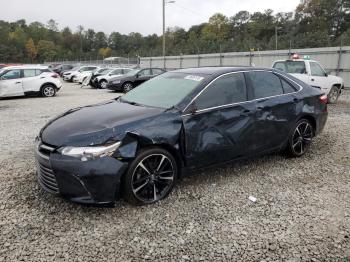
46	50
31	50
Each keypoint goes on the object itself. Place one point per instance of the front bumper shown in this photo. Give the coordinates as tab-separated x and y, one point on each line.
66	77
91	182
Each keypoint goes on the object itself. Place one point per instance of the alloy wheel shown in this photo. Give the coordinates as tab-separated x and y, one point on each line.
302	138
153	178
49	91
103	84
128	87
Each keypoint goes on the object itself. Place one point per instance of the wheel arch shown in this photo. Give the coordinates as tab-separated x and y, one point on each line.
47	84
171	149
310	118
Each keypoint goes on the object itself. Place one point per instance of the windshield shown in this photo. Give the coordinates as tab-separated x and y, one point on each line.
291	67
133	72
164	91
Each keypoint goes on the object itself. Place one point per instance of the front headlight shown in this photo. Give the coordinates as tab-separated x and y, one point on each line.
89	152
116	82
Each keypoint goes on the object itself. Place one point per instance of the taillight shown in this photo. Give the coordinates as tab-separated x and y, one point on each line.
324	99
55	76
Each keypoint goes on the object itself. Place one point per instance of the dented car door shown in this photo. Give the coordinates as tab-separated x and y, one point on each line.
219	123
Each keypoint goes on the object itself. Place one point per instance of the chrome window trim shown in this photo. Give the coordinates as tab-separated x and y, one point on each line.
244	102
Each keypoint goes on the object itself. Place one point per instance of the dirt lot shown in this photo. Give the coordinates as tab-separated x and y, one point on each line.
302	212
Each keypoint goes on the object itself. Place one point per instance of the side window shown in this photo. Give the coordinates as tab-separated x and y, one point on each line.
12	74
316	69
287	88
156	71
145	72
125	71
29	73
117	72
225	90
265	84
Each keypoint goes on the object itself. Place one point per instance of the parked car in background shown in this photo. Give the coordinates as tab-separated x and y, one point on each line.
312	73
133	78
138	145
69	75
62	68
93	82
102	80
29	79
80	77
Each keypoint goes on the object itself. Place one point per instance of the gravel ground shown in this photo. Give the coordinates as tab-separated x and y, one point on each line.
302	211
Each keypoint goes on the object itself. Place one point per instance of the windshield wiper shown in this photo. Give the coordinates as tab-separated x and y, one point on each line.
173	107
129	102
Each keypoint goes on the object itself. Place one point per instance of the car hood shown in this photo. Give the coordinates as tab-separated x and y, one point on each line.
93	125
336	79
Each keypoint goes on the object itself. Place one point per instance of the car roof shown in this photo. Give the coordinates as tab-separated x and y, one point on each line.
217	70
26	67
296	60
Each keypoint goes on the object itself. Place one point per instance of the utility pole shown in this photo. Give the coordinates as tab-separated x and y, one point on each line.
164	3
276	36
163	28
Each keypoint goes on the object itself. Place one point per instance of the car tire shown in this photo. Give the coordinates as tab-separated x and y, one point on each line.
103	84
333	95
300	138
48	91
128	86
151	177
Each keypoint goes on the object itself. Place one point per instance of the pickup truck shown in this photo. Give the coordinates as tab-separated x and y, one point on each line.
312	73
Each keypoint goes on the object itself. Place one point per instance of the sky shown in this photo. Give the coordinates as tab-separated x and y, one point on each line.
125	16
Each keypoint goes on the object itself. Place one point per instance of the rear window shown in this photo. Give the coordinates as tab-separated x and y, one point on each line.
291	67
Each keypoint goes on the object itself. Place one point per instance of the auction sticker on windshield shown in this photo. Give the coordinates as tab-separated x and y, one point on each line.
194	78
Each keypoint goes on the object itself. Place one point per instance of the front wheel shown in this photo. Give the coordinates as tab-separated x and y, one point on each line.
300	138
333	95
48	91
151	177
127	87
103	84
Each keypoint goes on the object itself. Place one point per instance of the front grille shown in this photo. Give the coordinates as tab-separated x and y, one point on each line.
46	176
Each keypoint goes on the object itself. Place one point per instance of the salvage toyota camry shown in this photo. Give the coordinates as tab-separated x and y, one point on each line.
137	145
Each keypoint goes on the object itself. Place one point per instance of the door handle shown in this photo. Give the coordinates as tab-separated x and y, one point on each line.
18	83
295	100
259	108
42	77
312	79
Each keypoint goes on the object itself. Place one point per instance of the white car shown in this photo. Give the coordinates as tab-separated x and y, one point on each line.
102	80
28	79
80	77
69	75
312	73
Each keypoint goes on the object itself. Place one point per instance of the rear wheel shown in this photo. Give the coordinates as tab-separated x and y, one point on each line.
150	177
48	91
103	84
300	138
333	95
127	87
